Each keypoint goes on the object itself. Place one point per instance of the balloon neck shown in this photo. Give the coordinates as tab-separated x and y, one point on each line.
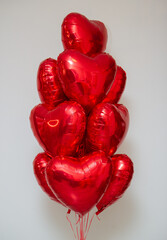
99	211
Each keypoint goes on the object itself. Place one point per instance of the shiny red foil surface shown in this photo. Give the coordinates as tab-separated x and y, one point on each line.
117	87
84	79
122	172
39	165
59	131
81	150
79	184
86	36
49	87
106	128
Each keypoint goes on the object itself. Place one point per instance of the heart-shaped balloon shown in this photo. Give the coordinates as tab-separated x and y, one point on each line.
79	184
122	172
49	87
39	164
117	87
59	131
106	128
88	37
84	79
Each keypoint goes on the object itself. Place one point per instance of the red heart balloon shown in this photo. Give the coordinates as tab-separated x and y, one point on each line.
107	127
79	184
88	37
59	131
84	79
122	172
49	87
39	164
117	87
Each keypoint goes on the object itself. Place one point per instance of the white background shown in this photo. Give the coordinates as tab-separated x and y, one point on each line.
30	31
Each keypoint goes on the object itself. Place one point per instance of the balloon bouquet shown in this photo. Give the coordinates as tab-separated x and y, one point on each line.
80	124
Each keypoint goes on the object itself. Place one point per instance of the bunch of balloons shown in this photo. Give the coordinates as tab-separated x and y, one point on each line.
80	124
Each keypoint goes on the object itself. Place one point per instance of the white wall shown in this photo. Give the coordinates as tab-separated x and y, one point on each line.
29	33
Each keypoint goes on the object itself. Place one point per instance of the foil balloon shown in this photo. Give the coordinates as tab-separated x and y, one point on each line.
122	172
59	131
79	184
39	165
117	87
106	128
86	36
84	79
49	87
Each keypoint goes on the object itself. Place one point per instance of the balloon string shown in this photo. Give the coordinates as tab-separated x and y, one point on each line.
78	220
76	224
82	225
70	224
84	220
98	217
89	225
81	229
87	219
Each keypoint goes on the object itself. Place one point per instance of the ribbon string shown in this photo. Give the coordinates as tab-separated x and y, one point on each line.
80	225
